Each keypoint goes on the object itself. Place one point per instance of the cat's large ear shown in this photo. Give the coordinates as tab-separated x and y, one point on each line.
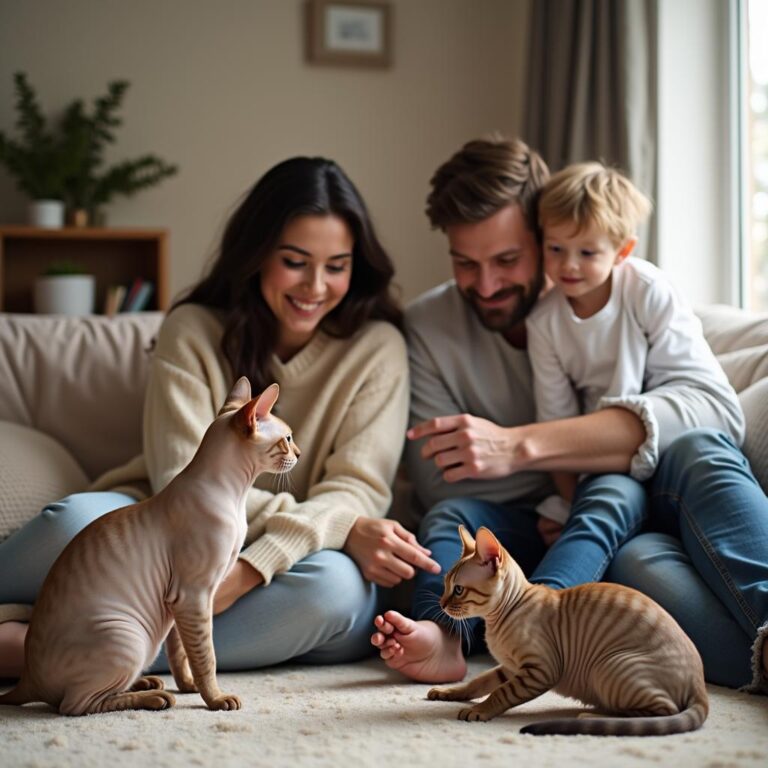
258	408
488	547
266	401
239	394
467	542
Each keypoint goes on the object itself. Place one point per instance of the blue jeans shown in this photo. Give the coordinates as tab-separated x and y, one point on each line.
606	511
320	612
705	557
705	561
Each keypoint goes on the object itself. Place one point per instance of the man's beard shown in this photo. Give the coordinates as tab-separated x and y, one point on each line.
505	319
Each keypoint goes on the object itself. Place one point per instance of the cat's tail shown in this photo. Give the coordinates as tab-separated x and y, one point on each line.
19	695
689	719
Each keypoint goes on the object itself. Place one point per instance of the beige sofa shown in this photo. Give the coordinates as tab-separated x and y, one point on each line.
71	397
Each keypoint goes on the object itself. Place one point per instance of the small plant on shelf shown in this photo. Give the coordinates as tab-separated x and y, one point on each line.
64	268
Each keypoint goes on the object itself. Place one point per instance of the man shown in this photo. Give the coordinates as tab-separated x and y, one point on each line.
475	456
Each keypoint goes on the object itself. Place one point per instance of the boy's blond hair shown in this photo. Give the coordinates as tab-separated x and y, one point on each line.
589	194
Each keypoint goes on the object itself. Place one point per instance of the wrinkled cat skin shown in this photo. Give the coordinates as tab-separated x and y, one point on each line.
607	645
148	572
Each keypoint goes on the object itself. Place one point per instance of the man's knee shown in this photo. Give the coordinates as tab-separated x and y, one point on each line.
636	560
448	515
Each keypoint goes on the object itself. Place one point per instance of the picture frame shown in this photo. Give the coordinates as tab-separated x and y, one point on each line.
350	33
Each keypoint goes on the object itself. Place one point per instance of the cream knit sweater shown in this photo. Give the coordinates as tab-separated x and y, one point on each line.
345	399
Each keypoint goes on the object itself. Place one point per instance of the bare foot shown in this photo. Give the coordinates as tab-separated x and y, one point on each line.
420	650
12	634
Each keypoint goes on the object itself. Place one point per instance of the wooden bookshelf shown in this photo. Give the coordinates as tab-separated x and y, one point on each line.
113	256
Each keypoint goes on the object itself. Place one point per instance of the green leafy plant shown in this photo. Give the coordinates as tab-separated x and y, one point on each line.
86	135
59	268
66	160
37	159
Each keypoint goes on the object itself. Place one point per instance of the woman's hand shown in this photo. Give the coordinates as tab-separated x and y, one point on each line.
385	552
241	579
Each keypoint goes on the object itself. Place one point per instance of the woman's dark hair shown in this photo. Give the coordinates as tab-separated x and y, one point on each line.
296	187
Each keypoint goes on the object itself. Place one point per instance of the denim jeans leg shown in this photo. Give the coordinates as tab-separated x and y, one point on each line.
704	488
513	524
607	510
657	565
27	555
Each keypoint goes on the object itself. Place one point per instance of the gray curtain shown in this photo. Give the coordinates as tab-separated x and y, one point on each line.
592	89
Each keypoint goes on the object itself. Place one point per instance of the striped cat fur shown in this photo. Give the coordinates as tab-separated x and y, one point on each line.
148	572
606	645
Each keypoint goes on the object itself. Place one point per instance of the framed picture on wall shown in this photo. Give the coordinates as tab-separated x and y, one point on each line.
355	33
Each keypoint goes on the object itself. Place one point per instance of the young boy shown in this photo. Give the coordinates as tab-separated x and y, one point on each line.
613	331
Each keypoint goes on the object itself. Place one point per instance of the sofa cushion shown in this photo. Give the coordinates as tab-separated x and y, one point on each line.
34	470
80	380
754	401
730	328
745	366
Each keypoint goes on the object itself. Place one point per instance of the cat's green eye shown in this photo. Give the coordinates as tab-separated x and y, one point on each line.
458	590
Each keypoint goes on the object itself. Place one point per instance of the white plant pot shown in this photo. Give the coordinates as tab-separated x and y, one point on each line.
48	214
65	294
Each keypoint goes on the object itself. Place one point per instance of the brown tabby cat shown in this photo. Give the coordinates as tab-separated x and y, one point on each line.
149	571
607	645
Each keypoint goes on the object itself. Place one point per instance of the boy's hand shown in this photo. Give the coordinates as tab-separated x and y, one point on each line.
549	530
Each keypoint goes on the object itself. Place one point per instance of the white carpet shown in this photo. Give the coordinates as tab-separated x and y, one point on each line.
361	715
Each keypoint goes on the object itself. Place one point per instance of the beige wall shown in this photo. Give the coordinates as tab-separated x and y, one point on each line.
221	89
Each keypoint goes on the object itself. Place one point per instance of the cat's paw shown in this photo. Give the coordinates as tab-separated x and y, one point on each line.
148	683
472	714
226	701
158	700
442	694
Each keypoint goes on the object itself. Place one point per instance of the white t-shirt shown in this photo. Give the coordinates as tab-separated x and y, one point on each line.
644	350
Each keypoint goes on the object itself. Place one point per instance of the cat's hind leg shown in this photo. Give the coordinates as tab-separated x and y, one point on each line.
112	697
472	689
135	700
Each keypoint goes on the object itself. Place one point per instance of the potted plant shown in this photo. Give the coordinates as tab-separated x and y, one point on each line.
65	289
65	161
37	159
88	185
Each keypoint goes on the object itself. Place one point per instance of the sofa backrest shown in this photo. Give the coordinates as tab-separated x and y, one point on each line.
80	380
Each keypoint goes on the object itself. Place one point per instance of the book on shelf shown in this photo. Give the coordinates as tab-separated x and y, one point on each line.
139	295
114	299
128	298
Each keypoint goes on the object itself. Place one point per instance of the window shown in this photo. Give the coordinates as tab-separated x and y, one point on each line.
754	110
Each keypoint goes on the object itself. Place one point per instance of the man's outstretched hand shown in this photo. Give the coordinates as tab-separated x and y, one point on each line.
465	447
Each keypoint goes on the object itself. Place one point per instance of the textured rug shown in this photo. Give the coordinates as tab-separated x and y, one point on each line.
362	715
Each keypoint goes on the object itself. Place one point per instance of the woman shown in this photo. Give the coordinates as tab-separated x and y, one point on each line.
299	294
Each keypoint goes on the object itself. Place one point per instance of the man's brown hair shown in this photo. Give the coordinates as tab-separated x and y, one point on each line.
483	177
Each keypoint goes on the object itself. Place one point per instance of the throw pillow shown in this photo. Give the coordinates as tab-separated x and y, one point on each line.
754	401
34	471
